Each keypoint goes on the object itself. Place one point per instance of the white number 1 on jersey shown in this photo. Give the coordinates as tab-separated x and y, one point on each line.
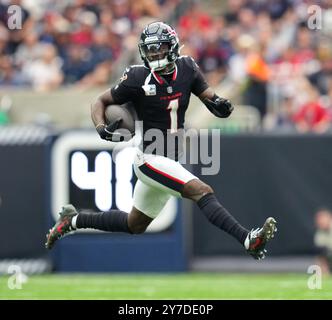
173	107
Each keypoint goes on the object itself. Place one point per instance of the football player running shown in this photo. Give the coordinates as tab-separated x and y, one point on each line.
160	90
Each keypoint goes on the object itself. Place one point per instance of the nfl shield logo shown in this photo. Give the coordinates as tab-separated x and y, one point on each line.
169	89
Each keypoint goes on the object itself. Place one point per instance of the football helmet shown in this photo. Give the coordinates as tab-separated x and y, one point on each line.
158	46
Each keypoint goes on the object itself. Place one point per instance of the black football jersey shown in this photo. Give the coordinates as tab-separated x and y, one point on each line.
161	102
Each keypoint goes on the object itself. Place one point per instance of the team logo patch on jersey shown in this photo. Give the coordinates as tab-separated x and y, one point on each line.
150	89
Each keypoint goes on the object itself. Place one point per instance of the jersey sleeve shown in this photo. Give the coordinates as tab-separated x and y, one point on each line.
126	90
199	83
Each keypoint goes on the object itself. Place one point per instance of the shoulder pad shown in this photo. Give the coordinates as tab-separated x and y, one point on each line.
132	75
189	62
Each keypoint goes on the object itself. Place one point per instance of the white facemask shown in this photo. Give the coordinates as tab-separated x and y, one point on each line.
159	64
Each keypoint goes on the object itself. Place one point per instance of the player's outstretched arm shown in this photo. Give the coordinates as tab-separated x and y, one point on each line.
220	107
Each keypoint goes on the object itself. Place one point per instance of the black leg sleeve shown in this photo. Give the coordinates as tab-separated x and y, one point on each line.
114	221
221	218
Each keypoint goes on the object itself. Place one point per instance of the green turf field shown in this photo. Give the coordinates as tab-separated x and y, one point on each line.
164	286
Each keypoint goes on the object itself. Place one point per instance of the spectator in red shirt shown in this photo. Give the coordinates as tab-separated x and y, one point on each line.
84	33
312	115
195	20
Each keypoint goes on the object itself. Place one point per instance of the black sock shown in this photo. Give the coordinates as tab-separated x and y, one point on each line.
220	217
114	220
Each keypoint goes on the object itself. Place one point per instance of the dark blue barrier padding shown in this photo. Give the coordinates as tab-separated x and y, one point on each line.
110	252
287	176
23	198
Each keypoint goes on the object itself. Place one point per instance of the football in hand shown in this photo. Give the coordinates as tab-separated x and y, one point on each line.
127	113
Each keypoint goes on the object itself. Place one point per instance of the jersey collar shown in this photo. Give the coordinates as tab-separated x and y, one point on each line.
175	73
160	80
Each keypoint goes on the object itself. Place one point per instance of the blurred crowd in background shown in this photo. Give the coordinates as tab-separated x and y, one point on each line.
264	52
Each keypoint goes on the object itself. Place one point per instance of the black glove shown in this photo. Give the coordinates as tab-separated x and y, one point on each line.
220	107
106	132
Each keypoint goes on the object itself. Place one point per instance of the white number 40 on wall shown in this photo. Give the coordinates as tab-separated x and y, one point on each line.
100	180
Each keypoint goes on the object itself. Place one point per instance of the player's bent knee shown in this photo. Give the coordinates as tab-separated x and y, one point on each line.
206	189
138	221
195	189
137	229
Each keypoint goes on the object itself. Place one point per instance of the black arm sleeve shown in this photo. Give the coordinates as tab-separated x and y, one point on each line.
126	90
199	83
